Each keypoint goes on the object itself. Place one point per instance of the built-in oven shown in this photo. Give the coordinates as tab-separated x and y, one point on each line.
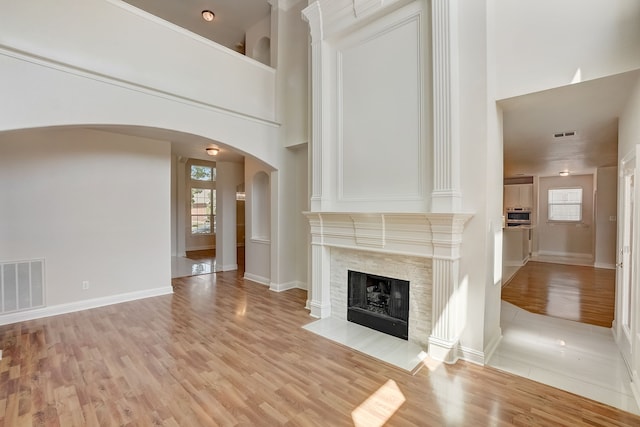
518	216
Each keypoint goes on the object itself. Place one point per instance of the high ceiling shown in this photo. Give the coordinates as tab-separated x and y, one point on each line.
233	17
591	109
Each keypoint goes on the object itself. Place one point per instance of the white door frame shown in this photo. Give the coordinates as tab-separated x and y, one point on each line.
627	306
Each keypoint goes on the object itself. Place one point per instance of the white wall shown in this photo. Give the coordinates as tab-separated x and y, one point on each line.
290	49
229	176
94	205
55	95
629	125
481	179
144	50
302	235
254	43
543	44
605	220
174	205
566	239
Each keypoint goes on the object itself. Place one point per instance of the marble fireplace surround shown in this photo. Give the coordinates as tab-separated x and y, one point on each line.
423	248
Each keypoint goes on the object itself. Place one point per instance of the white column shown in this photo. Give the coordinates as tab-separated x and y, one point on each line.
226	227
446	196
448	304
320	299
319	108
181	214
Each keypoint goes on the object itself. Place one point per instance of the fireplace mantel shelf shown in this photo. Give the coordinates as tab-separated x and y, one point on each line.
404	233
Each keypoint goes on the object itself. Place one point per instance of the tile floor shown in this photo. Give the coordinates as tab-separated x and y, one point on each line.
575	357
395	351
182	267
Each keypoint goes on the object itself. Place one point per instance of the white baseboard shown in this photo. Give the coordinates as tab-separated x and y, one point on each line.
229	267
258	279
200	248
294	284
606	265
492	346
82	305
471	355
635	390
575	255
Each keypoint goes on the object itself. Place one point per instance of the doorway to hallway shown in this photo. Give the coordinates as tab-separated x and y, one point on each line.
573	292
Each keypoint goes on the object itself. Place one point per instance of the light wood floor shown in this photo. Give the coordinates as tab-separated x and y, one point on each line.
224	351
572	292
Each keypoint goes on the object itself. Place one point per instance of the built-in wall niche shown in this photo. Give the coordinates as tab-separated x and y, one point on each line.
260	207
380	303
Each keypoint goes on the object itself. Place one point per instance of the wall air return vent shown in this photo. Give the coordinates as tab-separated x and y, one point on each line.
21	285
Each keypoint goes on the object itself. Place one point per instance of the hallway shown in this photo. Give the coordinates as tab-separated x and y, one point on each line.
566	345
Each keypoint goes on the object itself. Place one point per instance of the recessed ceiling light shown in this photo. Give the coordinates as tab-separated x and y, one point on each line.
208	16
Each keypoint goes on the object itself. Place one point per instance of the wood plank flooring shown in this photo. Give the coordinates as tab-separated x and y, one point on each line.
222	351
572	292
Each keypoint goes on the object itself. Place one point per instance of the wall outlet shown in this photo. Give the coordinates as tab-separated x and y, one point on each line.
85	285
0	354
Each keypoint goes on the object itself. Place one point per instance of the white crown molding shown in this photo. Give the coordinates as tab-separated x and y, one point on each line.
284	5
363	7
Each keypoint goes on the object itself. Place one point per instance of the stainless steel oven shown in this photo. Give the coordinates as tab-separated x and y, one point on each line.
518	216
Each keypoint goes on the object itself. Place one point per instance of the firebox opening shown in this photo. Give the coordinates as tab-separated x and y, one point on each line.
380	303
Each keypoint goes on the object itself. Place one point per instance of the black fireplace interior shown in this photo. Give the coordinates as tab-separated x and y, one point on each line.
380	303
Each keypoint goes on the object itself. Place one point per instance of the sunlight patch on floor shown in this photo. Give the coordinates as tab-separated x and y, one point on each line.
379	407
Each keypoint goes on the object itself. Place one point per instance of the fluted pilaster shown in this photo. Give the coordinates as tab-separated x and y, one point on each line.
446	196
448	303
320	298
319	150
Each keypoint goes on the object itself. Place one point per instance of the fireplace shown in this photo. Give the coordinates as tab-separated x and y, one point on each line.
380	303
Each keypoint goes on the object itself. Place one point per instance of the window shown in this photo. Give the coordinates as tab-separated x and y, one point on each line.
203	211
565	204
203	173
203	199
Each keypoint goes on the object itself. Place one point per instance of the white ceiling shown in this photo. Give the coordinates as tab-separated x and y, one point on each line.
233	17
591	108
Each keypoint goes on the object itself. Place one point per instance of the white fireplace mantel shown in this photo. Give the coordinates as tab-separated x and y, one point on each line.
426	235
436	236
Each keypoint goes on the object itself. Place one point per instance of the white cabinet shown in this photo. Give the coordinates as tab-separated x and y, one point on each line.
518	196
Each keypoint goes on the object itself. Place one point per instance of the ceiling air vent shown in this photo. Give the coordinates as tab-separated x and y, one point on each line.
570	134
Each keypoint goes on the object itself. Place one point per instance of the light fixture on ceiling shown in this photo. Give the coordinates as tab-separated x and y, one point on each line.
564	173
213	151
208	16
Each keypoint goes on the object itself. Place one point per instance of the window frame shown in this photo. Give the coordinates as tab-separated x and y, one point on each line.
580	205
207	184
211	215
